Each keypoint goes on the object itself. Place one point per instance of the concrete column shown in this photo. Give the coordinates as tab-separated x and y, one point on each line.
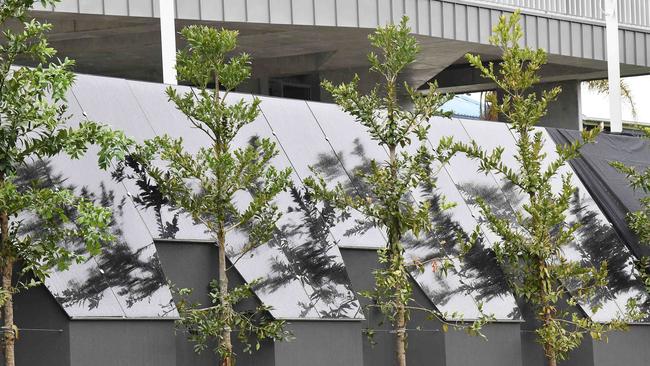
613	66
566	111
168	41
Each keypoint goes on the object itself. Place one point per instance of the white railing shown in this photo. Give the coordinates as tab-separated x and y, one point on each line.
635	13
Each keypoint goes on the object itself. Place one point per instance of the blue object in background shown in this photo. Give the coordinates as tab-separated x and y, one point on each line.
463	106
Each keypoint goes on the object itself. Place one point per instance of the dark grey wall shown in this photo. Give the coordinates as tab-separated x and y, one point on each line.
315	342
42	322
501	347
122	343
194	265
188	265
532	351
631	348
428	345
566	111
321	343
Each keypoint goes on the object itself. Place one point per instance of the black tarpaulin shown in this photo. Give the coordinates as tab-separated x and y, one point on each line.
609	188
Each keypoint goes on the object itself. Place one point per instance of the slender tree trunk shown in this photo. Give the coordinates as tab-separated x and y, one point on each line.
401	335
226	342
7	263
551	357
551	361
547	317
8	308
396	261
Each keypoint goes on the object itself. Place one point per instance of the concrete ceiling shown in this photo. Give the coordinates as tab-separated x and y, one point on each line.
129	47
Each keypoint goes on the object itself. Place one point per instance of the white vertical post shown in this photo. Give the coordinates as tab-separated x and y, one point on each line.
168	41
613	66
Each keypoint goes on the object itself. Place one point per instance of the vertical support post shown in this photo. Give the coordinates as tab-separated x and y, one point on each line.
613	66
168	41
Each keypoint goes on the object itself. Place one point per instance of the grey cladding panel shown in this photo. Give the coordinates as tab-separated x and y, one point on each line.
116	7
565	37
140	8
69	6
384	12
233	11
437	19
472	18
630	51
325	11
542	34
303	12
368	13
576	40
587	41
531	31
281	11
448	20
188	10
599	43
596	239
424	20
258	11
640	48
92	7
460	22
472	280
647	48
484	25
397	9
554	43
40	7
494	18
346	13
621	45
411	11
211	10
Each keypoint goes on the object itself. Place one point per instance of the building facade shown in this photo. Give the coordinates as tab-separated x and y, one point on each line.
118	308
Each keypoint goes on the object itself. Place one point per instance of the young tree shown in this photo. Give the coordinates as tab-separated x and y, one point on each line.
389	202
531	249
210	184
32	126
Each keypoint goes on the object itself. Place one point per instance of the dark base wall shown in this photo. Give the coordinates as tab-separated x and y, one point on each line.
500	347
321	343
122	343
631	348
45	330
49	338
427	343
315	343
